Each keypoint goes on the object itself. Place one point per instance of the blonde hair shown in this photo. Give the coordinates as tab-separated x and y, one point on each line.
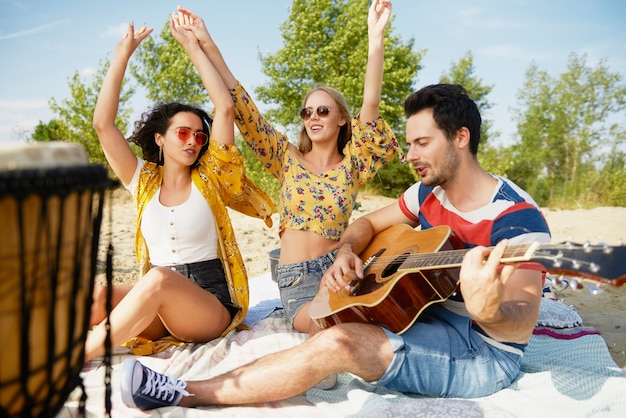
345	132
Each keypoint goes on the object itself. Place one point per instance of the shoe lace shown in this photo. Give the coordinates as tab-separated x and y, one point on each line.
163	387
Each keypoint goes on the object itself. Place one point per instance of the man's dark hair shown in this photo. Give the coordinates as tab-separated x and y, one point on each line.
452	109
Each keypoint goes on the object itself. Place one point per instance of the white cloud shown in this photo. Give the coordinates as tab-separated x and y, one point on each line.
33	31
115	31
11	105
88	72
10	132
19	117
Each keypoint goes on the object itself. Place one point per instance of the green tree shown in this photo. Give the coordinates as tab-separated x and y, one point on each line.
162	67
75	114
325	41
255	171
564	127
608	187
54	130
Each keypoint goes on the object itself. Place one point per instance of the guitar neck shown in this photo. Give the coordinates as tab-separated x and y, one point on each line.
454	258
600	263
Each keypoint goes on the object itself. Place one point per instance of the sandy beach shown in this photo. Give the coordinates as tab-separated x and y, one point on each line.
605	311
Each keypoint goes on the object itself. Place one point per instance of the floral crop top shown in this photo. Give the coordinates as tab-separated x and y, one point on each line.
319	203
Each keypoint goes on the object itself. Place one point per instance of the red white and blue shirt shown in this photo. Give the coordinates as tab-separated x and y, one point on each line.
512	213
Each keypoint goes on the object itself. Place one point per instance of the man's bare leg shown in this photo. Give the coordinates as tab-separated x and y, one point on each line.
363	350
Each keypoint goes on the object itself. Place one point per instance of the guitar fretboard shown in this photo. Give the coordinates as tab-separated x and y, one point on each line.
454	258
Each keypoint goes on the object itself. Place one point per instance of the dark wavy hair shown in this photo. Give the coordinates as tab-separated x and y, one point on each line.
452	109
345	132
158	120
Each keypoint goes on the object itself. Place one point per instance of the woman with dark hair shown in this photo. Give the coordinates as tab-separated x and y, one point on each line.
194	285
320	178
157	120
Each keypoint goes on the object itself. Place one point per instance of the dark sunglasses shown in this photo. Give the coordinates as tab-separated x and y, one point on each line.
307	112
185	133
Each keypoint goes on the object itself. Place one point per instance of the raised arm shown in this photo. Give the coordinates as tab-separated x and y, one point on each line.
377	19
197	26
223	130
116	149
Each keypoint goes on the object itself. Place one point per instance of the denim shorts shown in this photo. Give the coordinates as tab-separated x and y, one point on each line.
298	283
210	276
443	355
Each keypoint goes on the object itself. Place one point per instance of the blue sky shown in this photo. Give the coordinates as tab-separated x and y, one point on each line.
44	42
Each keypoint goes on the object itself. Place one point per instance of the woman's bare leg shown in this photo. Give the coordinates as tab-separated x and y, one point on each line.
168	297
98	307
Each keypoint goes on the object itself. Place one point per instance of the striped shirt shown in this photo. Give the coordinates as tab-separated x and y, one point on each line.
511	214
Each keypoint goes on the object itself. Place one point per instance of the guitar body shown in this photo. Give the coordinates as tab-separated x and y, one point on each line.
390	295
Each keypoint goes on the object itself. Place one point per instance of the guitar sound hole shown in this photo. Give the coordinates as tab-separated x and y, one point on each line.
392	267
365	286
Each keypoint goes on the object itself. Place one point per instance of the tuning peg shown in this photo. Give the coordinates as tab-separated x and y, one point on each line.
594	290
557	262
575	284
557	283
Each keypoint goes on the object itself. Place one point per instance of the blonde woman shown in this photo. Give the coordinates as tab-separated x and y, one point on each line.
321	176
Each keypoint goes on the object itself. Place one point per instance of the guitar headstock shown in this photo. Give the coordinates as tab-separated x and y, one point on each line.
584	262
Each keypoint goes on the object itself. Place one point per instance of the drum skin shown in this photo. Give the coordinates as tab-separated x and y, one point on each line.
50	212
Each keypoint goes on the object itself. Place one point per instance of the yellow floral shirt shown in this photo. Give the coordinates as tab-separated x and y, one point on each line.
221	180
322	203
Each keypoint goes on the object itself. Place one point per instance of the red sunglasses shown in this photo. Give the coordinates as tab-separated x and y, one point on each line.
185	133
307	112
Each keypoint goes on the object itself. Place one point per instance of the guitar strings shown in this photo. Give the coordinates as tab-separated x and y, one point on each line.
519	251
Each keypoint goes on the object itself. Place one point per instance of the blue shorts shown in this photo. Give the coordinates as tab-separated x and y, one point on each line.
298	283
443	355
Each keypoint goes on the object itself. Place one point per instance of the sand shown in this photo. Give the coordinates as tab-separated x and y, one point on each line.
604	311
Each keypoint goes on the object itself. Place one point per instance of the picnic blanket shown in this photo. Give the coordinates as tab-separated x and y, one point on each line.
567	372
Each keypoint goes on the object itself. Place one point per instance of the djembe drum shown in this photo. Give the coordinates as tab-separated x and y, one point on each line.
51	202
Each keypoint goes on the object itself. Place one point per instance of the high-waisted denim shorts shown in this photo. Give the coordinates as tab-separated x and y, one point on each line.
299	282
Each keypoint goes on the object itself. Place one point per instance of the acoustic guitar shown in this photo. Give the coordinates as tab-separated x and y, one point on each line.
407	270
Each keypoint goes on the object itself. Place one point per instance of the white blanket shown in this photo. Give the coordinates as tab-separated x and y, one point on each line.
561	378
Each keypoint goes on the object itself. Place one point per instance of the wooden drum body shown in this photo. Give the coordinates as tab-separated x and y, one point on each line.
50	212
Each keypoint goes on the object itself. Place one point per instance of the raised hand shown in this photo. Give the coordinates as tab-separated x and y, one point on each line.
131	40
181	31
378	15
193	23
